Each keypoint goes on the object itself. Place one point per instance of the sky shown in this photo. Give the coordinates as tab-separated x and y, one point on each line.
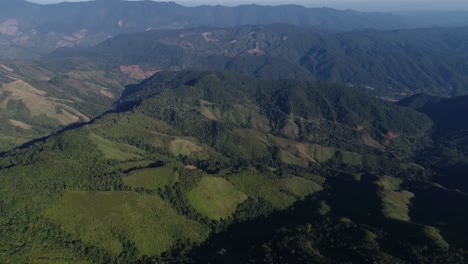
363	5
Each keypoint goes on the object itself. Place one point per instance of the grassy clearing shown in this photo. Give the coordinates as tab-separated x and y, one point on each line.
114	150
281	193
299	186
434	234
301	151
99	217
209	110
290	128
350	158
395	202
313	177
215	197
183	147
254	184
320	153
152	178
38	103
289	158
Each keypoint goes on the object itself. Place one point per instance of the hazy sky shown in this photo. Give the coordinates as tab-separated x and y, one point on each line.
366	5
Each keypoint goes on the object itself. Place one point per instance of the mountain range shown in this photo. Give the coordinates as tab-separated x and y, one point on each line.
87	81
389	63
29	30
149	132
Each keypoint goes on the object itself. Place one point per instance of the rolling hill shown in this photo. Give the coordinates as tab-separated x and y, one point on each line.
389	64
39	98
315	166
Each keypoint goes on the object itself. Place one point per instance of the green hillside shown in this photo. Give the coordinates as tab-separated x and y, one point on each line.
191	164
82	83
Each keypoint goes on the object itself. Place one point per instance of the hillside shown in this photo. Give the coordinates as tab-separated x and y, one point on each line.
447	113
449	155
29	30
269	157
392	64
38	98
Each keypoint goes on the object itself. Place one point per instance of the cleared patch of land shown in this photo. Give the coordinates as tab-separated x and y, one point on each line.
183	147
20	124
301	153
395	202
215	197
299	186
152	178
281	193
38	103
350	158
98	218
114	150
209	110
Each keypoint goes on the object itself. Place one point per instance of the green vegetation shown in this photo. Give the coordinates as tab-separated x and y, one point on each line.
183	147
395	202
254	184
384	63
100	218
215	197
157	181
152	178
115	151
299	186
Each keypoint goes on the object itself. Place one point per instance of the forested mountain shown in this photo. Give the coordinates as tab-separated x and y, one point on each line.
191	166
29	30
387	63
149	132
87	81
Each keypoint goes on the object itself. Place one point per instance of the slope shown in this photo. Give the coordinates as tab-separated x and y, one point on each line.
263	144
40	97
